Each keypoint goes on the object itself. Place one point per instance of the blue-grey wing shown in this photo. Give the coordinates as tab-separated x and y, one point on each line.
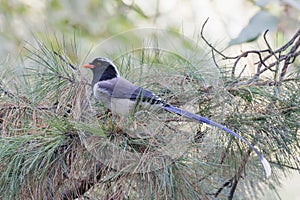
123	89
141	94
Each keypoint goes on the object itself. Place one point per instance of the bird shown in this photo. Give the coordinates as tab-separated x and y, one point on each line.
121	96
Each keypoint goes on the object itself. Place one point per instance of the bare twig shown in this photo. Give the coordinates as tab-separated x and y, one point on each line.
238	175
209	44
290	58
263	55
226	184
236	58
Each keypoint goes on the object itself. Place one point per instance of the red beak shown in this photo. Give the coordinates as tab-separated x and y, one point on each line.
90	66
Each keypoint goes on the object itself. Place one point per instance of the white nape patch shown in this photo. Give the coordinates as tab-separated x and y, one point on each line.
102	59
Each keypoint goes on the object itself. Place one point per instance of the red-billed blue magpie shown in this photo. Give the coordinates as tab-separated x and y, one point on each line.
121	96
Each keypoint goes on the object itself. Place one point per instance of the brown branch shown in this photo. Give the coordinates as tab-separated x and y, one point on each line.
237	58
289	43
290	58
233	182
268	45
245	54
281	58
238	175
286	59
226	184
210	45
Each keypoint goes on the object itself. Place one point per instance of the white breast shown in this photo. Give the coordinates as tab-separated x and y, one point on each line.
117	106
122	107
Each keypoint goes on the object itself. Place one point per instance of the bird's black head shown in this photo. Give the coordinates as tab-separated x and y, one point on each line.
103	69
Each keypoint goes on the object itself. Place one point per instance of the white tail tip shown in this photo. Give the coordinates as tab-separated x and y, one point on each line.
267	166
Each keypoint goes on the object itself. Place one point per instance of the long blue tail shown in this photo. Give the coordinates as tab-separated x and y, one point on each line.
205	120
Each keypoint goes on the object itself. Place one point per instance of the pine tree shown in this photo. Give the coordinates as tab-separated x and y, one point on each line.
57	142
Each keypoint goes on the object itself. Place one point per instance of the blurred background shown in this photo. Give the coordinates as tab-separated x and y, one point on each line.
233	26
93	21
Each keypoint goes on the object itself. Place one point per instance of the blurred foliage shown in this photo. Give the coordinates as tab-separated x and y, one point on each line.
258	24
95	20
272	15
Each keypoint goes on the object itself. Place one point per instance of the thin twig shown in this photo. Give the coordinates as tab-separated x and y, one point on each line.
236	58
287	59
238	175
290	58
270	50
210	45
226	184
214	59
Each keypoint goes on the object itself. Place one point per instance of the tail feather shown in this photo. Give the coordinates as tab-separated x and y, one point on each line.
205	120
